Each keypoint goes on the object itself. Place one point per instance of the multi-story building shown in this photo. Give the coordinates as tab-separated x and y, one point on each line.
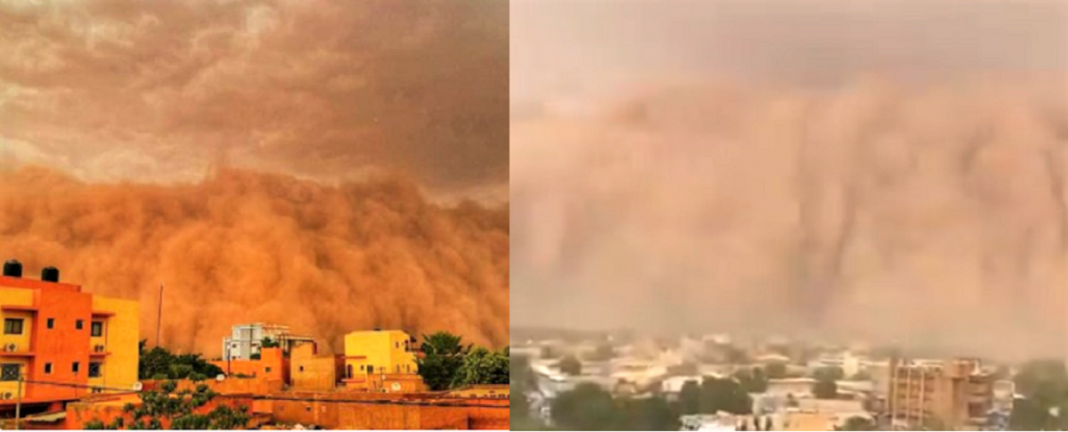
954	394
381	360
247	339
56	334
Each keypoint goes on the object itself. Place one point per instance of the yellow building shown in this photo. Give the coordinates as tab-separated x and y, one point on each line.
372	355
55	333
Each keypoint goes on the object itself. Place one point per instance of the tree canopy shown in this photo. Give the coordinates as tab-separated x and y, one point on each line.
482	366
1044	385
589	407
443	356
570	365
158	363
164	403
724	394
752	380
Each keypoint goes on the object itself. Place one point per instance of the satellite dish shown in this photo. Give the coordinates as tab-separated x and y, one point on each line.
220	377
137	386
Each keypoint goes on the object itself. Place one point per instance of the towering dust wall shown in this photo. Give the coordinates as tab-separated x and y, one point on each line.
245	247
928	213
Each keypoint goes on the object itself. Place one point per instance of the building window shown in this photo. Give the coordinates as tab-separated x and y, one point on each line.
97	329
51	322
267	370
48	368
13	326
94	370
78	325
74	367
302	368
350	370
9	372
397	344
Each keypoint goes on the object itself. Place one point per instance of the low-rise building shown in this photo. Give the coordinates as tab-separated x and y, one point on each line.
271	364
55	333
246	340
381	361
309	371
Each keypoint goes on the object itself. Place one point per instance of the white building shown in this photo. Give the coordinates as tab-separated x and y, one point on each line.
849	363
246	340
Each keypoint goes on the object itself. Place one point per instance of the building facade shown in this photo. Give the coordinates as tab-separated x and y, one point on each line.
310	371
954	394
246	340
55	333
378	358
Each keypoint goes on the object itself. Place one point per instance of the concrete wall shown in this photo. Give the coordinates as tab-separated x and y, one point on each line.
389	411
308	371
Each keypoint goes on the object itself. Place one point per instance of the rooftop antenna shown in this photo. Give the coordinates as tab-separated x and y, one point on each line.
159	314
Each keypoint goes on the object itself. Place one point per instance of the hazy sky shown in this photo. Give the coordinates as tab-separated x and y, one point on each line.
129	89
563	47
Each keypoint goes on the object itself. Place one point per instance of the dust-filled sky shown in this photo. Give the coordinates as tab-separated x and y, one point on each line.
891	170
333	166
128	89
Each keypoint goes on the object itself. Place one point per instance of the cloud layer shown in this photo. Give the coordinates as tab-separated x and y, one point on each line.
123	89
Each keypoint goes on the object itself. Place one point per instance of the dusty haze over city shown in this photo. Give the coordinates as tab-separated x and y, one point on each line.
331	166
887	170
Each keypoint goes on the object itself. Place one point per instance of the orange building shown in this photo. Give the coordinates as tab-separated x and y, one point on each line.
56	334
310	371
273	365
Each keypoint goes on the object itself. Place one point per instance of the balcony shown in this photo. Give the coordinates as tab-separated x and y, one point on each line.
103	314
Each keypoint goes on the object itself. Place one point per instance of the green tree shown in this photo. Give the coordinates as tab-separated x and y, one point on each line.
858	424
724	394
163	403
482	366
690	398
776	370
752	380
158	363
267	342
443	356
646	414
1044	385
825	387
520	376
570	365
587	407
